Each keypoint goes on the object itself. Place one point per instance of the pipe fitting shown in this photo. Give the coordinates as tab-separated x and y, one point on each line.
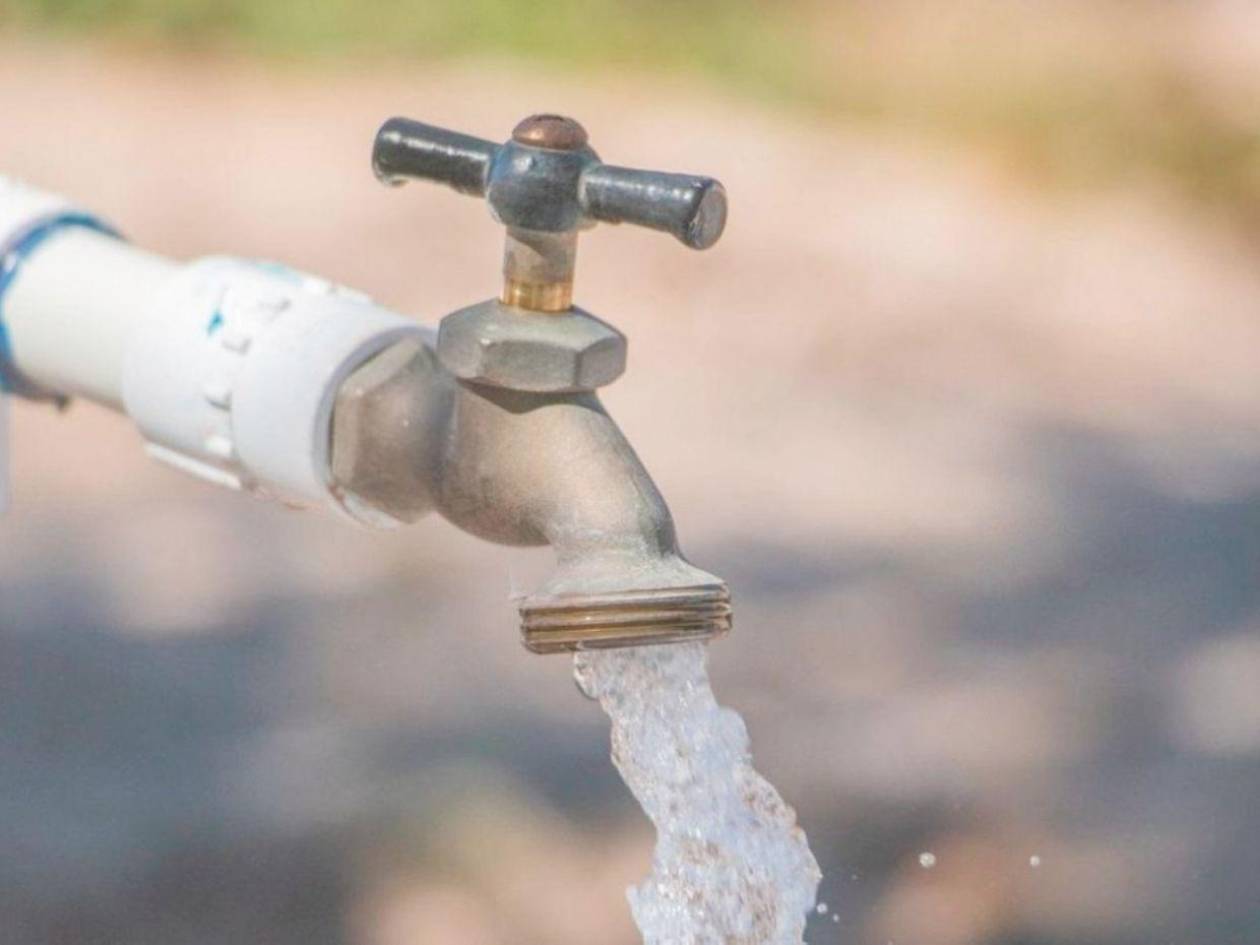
235	368
538	270
502	346
387	420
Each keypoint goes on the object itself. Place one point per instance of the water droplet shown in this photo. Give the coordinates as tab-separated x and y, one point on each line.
1034	861
927	860
821	908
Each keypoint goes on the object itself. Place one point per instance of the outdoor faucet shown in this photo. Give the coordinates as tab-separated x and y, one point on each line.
260	378
524	452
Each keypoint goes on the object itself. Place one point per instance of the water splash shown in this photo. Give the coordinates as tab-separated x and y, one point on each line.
731	866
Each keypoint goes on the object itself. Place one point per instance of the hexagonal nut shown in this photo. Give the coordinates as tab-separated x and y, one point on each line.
379	417
493	343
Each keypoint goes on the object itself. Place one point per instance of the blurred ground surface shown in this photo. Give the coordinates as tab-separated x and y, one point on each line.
980	467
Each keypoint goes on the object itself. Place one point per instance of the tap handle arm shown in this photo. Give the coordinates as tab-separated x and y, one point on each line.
547	178
406	149
691	208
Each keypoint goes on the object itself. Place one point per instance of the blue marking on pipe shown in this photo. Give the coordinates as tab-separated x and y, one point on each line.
287	273
11	380
6	385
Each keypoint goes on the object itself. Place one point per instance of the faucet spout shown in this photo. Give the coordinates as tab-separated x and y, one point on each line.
532	468
520	467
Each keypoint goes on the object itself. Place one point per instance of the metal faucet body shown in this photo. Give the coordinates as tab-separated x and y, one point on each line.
526	468
515	446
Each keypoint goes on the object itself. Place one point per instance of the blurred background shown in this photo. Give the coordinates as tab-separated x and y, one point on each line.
965	407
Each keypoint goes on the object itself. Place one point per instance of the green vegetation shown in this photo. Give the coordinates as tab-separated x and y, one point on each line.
1073	94
722	37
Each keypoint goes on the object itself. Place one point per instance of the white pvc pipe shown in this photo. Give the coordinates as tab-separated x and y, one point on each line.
73	311
229	367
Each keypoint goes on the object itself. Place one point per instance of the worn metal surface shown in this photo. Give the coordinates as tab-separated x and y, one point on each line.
668	615
385	418
538	188
547	179
538	269
500	430
691	208
493	343
406	149
550	131
523	467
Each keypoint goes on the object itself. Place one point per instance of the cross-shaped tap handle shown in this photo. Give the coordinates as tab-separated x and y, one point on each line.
547	178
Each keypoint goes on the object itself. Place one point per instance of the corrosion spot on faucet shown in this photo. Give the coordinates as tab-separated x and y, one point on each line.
550	131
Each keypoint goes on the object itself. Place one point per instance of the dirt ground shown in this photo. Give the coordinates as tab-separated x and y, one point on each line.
980	466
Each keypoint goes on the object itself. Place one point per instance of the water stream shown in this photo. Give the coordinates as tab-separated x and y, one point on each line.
731	867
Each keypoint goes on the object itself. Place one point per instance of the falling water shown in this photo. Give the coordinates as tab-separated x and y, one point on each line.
731	866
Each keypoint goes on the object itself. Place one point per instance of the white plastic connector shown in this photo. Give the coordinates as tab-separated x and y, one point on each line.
235	371
230	368
21	208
